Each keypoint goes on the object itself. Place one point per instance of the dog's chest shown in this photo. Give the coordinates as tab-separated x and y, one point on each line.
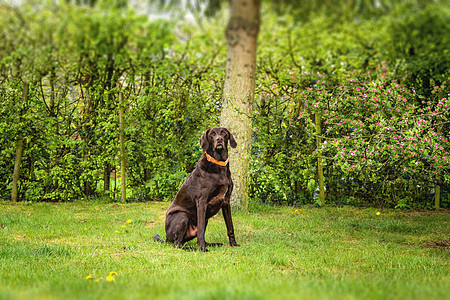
218	199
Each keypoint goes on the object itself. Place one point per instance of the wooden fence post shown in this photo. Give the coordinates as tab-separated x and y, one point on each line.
122	150
19	149
319	161
437	189
437	197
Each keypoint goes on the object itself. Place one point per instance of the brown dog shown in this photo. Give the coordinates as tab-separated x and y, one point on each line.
203	194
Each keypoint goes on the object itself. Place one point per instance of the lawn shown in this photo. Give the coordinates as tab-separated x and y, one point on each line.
49	251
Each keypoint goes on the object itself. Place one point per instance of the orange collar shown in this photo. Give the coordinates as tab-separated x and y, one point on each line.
217	162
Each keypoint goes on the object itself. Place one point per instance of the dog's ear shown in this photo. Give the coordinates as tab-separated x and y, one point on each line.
204	143
233	143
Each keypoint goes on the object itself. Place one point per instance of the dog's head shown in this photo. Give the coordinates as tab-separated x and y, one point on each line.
217	139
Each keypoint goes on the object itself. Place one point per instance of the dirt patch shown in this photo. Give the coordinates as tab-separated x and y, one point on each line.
443	245
425	212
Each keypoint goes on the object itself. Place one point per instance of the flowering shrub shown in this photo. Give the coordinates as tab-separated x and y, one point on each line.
380	143
375	131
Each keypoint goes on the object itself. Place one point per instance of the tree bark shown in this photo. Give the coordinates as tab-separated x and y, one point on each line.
19	151
238	91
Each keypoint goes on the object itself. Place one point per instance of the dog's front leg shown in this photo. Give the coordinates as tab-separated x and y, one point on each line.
201	223
226	210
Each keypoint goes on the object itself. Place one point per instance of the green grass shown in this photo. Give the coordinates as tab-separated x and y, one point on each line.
47	250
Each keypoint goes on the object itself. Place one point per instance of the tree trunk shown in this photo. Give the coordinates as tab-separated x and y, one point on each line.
19	151
238	91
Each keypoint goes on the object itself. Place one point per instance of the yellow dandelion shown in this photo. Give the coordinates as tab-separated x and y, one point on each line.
117	231
123	226
378	213
129	221
89	277
97	280
110	278
112	273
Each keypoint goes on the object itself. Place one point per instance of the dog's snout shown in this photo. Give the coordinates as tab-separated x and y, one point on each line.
219	142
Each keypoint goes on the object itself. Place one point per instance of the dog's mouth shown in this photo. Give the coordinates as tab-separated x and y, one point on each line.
219	145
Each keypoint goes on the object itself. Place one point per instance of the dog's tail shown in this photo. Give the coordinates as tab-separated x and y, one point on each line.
157	238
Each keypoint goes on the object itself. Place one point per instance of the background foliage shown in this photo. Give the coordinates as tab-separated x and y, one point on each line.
377	74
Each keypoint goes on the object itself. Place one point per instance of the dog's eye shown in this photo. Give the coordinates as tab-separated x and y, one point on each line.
224	133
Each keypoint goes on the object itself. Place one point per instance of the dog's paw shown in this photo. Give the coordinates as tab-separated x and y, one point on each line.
233	244
157	238
202	248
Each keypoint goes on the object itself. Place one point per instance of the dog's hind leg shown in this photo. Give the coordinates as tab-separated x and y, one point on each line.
177	226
